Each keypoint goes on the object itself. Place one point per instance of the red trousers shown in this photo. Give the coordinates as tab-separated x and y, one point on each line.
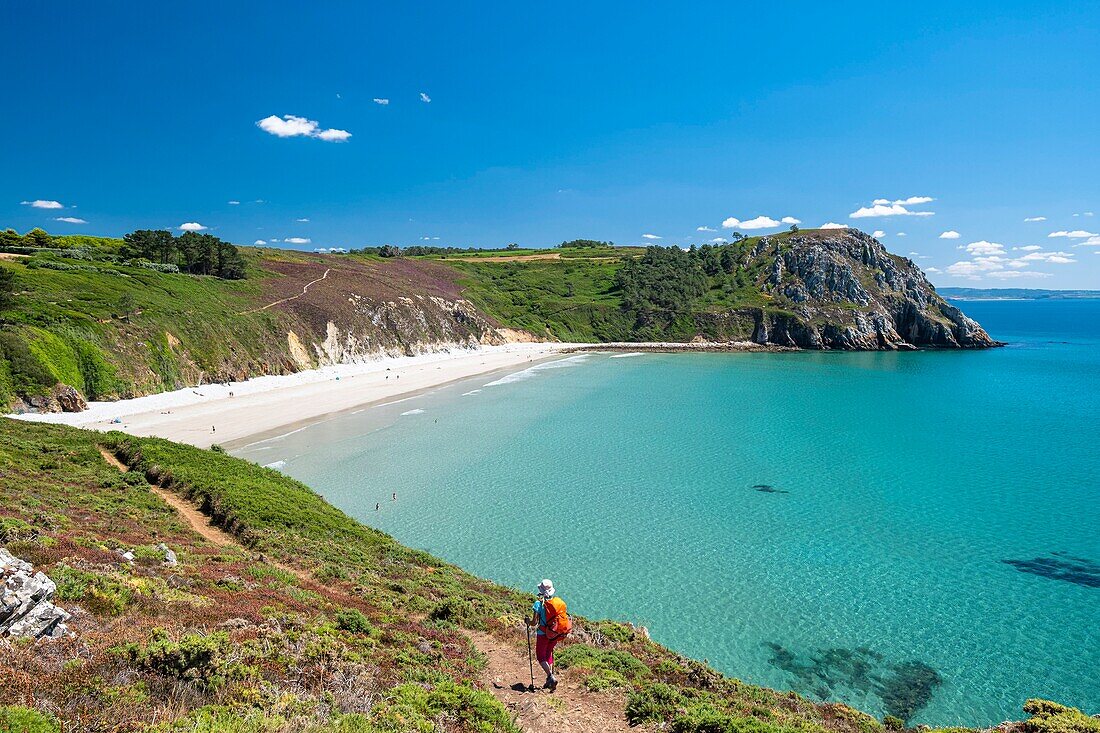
544	648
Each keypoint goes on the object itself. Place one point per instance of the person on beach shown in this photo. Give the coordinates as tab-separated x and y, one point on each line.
395	496
549	615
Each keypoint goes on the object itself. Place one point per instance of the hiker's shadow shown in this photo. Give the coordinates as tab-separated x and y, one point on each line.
520	687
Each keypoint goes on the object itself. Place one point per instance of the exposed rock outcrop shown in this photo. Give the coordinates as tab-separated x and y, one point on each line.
841	289
25	607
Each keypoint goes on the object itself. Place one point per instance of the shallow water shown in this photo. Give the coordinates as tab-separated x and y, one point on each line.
916	533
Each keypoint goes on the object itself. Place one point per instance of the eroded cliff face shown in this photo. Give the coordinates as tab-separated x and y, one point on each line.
406	326
841	289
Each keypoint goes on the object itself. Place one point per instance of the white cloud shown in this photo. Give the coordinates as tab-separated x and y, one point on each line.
902	234
935	270
42	204
1006	274
950	234
424	97
428	238
882	207
988	260
381	100
719	240
1090	242
234	203
878	233
296	240
1036	218
273	239
914	254
790	220
294	126
334	136
965	269
650	236
985	248
1075	234
191	226
705	229
833	225
70	220
1060	258
302	220
259	242
911	201
1084	213
760	222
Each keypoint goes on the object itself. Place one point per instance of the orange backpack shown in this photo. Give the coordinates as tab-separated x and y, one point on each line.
558	623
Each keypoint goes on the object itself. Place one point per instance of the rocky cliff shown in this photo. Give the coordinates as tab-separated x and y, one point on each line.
841	289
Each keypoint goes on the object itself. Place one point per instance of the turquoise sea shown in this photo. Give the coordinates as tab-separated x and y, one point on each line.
914	532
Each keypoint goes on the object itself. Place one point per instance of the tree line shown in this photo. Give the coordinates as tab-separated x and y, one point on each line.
669	280
190	252
194	253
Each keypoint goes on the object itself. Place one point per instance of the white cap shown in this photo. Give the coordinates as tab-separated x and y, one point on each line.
546	588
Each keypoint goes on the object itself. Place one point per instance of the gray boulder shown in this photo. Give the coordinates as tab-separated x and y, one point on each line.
25	607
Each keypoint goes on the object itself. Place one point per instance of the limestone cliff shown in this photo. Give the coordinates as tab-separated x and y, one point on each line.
841	289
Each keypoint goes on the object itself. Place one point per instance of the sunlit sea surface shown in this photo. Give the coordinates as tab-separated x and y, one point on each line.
916	533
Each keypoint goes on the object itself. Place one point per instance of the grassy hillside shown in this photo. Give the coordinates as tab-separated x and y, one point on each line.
308	621
79	316
573	294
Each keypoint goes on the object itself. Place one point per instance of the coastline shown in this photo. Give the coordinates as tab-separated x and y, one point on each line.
231	412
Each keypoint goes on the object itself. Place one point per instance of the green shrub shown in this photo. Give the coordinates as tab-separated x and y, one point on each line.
1050	717
353	620
604	679
713	721
453	610
194	657
583	656
18	719
26	373
893	722
653	703
411	707
12	530
101	594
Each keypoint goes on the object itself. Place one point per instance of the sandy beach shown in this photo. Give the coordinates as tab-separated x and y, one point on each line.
228	413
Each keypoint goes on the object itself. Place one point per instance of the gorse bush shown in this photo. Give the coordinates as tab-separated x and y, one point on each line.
194	657
18	719
1050	717
354	621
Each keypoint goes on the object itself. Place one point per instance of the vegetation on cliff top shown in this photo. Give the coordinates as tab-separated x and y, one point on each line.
121	318
312	622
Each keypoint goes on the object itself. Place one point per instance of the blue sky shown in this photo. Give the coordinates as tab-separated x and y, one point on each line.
565	120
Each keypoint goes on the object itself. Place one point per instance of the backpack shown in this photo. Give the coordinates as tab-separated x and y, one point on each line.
558	623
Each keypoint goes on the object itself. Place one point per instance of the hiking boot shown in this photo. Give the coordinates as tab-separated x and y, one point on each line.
551	684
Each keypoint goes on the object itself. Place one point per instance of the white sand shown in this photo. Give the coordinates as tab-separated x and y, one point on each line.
225	413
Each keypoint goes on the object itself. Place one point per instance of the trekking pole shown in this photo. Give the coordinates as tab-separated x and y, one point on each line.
530	660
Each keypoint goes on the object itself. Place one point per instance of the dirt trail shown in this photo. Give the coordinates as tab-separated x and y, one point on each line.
195	519
292	297
201	523
569	709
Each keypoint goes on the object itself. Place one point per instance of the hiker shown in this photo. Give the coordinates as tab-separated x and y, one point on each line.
549	615
377	506
394	496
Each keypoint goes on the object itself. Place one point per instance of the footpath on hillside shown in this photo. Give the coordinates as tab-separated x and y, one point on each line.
507	675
